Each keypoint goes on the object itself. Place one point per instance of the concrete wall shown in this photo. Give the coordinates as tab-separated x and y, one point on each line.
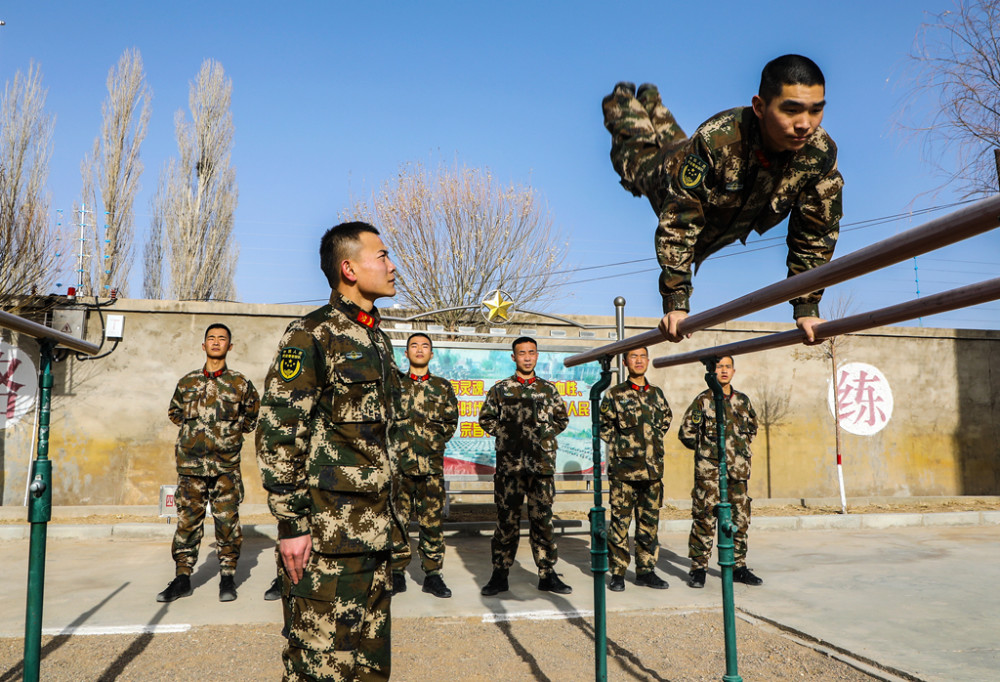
111	442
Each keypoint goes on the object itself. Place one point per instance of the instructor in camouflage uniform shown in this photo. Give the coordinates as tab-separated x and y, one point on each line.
213	406
635	417
699	433
324	460
525	414
426	423
744	170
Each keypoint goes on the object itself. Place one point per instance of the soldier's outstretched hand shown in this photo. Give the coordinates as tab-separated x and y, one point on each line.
669	324
808	325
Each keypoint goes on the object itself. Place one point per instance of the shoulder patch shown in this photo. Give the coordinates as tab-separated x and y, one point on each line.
693	171
290	363
696	417
605	405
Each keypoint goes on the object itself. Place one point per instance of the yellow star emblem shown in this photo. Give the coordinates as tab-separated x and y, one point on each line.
498	306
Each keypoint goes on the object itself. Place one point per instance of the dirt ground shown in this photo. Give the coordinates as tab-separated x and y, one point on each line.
667	646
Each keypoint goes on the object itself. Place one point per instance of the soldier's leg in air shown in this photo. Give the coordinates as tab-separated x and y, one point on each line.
225	494
508	494
704	497
404	508
431	532
667	129
622	503
541	492
339	624
649	498
190	499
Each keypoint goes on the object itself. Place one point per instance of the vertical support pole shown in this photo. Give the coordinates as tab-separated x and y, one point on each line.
620	329
39	514
724	514
599	530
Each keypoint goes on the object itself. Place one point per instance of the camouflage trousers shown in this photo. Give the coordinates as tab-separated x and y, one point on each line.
425	496
643	498
337	619
509	492
194	493
704	497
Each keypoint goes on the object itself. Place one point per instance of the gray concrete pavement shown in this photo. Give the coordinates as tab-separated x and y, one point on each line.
917	599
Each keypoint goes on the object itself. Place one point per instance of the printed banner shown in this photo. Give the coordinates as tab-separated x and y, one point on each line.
472	371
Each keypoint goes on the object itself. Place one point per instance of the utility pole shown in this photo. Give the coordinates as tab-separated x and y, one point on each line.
82	256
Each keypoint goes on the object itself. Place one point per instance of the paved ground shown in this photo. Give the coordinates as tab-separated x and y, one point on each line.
919	599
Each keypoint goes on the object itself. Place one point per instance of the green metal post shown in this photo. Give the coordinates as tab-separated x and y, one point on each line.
599	530
39	514
724	513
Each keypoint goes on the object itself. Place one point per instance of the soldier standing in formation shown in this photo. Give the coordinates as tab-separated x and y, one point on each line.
427	420
213	406
324	460
744	170
699	432
635	417
525	414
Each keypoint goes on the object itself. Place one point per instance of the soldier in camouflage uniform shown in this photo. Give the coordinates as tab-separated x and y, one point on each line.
699	433
525	414
325	463
213	406
744	170
635	417
427	421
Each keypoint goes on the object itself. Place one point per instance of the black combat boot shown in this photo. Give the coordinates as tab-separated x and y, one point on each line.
696	578
497	583
178	587
552	583
227	588
434	584
274	591
398	583
617	583
742	574
651	580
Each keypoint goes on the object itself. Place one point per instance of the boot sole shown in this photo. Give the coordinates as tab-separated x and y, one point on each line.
167	599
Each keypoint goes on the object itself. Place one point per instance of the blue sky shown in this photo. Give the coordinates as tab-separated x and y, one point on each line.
329	99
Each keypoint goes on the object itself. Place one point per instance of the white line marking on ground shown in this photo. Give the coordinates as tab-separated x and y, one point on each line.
117	629
535	615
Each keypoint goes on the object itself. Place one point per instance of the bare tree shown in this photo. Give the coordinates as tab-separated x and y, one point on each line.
955	62
457	234
112	170
28	240
198	194
152	257
773	403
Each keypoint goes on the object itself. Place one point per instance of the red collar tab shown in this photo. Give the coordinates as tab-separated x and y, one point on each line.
366	319
213	375
762	158
423	378
525	382
637	387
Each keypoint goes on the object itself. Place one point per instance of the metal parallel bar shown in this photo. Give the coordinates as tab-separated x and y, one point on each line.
40	331
973	294
974	219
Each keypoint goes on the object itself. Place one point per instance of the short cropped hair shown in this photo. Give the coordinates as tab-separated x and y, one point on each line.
789	69
338	244
218	325
415	335
731	360
522	339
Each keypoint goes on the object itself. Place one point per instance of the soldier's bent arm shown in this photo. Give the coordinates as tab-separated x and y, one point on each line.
285	429
609	415
489	414
449	417
560	414
691	426
250	408
751	421
813	229
668	416
176	410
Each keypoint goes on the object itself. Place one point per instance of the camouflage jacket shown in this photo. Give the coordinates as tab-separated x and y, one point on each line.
699	433
427	421
525	417
322	440
634	422
720	185
213	411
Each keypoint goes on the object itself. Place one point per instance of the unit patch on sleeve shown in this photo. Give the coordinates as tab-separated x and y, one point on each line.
290	363
693	171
